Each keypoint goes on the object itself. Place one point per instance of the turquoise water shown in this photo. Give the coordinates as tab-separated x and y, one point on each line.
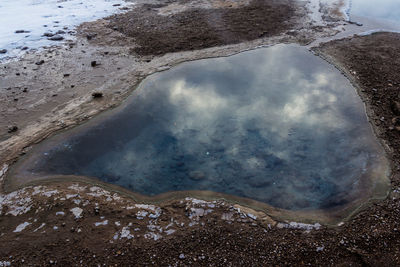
278	125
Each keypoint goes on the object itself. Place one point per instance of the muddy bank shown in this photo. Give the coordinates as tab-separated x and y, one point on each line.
159	29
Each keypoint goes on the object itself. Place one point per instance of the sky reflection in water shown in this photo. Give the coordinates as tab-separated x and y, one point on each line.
386	10
278	125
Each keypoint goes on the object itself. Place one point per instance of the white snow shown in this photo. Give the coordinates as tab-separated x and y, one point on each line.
105	222
50	193
125	233
33	15
5	263
60	213
17	202
77	212
151	235
297	225
21	227
40	227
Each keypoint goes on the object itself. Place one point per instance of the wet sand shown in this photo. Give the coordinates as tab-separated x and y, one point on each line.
223	236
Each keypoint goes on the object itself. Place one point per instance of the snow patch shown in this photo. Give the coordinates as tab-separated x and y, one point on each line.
17	202
77	212
296	225
105	222
21	227
40	227
124	233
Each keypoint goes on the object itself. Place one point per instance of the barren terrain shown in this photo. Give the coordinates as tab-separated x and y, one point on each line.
82	224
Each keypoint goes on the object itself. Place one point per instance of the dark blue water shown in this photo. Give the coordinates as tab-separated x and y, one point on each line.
278	125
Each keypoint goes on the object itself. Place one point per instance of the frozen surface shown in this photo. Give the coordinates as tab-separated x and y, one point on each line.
36	17
278	125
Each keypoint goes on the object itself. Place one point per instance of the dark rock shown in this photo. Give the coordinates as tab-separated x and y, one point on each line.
25	90
66	75
40	62
90	36
48	34
117	5
21	31
25	48
17	73
12	129
395	106
56	38
60	32
3	51
97	94
93	63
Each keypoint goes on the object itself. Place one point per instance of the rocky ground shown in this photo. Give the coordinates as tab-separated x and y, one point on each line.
81	224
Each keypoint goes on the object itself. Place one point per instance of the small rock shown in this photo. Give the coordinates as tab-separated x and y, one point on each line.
56	38
90	36
60	32
25	48
40	62
117	5
21	31
93	63
395	106
48	34
97	94
3	51
66	75
12	129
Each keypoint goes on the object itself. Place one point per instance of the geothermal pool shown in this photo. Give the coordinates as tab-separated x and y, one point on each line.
277	125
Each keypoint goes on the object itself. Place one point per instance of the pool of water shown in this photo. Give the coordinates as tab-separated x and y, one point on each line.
384	11
277	125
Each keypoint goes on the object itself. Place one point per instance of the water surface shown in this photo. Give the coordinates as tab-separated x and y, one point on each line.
278	125
385	11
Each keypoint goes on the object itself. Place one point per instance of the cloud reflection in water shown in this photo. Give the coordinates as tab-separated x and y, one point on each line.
277	124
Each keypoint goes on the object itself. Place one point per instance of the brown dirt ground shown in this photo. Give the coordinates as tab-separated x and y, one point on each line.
370	238
198	28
